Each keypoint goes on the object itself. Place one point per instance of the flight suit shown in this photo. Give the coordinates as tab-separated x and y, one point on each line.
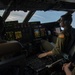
61	43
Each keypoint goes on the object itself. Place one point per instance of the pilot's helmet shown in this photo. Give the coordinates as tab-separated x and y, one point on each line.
67	18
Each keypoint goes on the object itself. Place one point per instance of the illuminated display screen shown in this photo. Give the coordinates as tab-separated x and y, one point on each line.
39	32
18	34
10	35
36	33
42	31
57	30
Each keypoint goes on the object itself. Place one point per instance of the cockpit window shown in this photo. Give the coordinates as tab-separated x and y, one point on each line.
17	15
42	16
73	22
1	12
47	16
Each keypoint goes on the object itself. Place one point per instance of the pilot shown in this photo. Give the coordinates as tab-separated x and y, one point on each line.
66	68
63	38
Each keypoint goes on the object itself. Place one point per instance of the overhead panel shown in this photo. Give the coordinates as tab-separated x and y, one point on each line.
39	5
73	1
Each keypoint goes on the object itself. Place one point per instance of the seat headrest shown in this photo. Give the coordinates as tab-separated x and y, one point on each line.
10	47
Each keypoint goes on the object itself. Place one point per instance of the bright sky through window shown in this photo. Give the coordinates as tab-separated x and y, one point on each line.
42	16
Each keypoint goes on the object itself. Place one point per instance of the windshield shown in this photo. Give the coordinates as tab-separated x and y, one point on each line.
49	16
17	15
1	12
46	16
42	16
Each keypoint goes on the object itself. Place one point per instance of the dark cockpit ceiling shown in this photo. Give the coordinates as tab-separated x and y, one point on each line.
68	5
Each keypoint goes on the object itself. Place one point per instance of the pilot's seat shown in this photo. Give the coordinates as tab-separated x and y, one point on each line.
10	47
72	51
46	45
11	58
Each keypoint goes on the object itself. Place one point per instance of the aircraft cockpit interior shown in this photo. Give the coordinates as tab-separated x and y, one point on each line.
32	27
